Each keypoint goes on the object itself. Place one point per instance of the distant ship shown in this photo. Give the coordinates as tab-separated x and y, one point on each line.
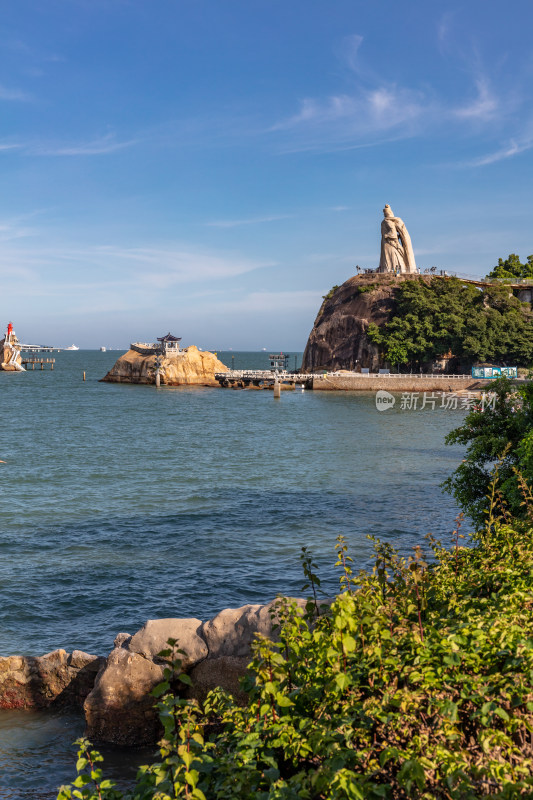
102	349
72	347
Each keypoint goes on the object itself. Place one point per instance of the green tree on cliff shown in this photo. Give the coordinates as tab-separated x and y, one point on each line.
504	434
512	268
445	315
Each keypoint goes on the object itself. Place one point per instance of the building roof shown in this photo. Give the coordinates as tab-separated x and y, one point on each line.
169	338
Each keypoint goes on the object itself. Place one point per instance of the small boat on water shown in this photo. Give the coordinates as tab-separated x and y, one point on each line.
72	347
102	349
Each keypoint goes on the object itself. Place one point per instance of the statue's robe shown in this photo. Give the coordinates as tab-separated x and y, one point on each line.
396	248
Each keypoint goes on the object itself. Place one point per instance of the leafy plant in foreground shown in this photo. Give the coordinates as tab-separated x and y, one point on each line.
415	683
504	434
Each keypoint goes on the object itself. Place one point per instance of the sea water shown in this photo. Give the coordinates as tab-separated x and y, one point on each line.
123	503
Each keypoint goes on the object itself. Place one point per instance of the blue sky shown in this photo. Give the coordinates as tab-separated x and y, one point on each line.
212	167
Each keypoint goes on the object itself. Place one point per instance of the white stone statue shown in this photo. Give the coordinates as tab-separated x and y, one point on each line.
396	249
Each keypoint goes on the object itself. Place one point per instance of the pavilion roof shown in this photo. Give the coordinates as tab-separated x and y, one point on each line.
169	338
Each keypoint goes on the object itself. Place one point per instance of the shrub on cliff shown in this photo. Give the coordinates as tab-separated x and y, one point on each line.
432	319
512	268
503	433
416	683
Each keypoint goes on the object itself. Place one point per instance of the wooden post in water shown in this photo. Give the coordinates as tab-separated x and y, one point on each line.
157	364
42	364
277	388
84	376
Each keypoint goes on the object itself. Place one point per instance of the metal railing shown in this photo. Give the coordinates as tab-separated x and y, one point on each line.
410	375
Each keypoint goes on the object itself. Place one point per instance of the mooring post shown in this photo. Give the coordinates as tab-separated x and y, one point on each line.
277	388
42	364
157	379
33	364
84	376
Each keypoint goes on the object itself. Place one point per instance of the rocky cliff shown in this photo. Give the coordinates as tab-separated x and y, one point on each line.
194	367
339	337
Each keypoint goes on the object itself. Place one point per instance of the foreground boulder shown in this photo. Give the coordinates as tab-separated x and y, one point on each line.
191	368
55	679
120	708
154	635
116	692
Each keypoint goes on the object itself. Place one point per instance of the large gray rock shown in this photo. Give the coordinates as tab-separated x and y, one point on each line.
155	633
120	707
224	672
232	631
56	678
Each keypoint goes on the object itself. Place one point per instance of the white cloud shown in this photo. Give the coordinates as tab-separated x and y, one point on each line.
100	146
484	107
63	269
278	302
349	50
444	27
514	148
164	267
375	110
13	94
341	119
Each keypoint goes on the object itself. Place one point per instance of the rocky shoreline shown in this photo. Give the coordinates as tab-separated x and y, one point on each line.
114	692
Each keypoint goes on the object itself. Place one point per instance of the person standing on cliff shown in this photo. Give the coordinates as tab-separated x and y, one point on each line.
396	249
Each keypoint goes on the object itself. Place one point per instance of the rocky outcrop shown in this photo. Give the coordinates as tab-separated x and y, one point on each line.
154	635
339	337
120	709
55	679
193	367
116	691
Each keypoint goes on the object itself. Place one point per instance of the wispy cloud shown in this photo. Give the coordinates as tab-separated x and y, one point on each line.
94	147
152	266
376	111
349	51
484	107
514	148
171	267
14	94
444	28
263	301
373	111
348	121
235	223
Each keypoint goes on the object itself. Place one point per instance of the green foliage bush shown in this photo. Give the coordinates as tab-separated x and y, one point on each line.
330	293
512	267
432	319
500	433
417	682
368	287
